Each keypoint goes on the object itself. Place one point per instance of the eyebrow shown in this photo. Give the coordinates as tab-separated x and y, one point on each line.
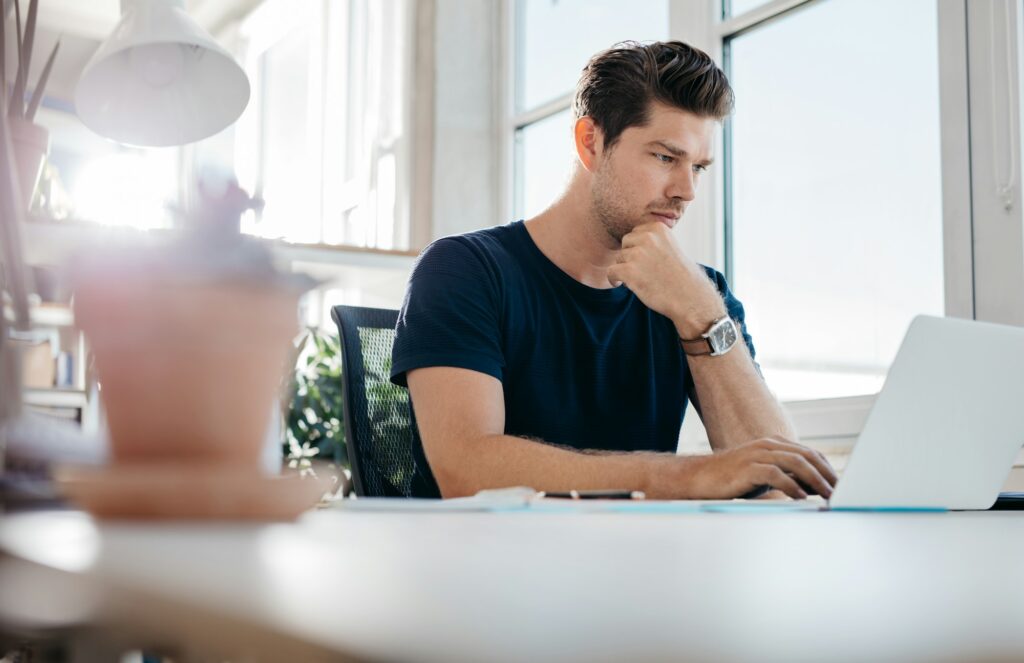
677	151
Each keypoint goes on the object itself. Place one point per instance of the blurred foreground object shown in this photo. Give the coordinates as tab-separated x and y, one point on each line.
23	146
12	282
30	141
191	340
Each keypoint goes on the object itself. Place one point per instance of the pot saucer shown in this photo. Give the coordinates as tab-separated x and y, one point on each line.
188	492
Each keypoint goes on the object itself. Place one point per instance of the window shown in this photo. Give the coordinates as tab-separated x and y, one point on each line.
89	178
543	160
732	8
324	140
834	197
553	40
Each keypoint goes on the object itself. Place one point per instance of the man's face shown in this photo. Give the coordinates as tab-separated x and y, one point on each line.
651	172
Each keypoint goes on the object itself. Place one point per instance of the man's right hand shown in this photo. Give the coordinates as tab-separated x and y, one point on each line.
786	466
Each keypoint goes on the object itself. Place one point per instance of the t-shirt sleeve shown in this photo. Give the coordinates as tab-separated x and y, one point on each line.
451	313
736	312
734	307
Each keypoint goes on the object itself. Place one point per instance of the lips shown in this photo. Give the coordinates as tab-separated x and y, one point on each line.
668	218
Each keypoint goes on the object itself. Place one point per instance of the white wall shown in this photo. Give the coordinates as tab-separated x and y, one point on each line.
465	187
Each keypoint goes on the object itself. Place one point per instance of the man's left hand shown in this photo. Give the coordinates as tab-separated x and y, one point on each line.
655	268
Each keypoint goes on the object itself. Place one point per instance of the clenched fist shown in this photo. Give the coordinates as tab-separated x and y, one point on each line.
655	268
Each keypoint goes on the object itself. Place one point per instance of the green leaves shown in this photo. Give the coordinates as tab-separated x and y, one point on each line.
313	425
315	412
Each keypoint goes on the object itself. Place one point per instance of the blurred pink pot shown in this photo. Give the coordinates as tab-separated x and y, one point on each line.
188	371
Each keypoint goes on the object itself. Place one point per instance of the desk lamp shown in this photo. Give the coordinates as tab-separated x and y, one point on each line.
159	79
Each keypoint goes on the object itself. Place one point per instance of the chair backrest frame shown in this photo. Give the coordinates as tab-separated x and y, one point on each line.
355	404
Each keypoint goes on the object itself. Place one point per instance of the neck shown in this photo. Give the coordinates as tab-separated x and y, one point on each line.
570	236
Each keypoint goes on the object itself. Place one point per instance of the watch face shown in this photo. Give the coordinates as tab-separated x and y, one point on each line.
723	336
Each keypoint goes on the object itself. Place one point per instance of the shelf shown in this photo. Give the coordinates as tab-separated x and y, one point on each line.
46	315
56	397
56	242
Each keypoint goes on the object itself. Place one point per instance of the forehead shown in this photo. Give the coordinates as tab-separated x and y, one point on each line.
674	125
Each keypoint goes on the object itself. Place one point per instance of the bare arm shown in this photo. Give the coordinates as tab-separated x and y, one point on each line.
461	419
735	403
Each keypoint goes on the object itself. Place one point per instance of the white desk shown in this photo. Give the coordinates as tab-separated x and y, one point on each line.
552	587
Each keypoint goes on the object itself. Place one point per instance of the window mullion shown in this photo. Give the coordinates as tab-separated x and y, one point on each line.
543	111
993	30
956	162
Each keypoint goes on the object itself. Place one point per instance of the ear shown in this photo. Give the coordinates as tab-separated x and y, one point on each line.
589	142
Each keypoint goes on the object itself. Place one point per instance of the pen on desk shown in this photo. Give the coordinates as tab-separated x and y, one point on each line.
596	494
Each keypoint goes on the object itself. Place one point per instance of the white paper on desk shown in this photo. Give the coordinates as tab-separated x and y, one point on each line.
503	499
673	506
527	499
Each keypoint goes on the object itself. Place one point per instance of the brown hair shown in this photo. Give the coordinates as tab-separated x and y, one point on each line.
618	85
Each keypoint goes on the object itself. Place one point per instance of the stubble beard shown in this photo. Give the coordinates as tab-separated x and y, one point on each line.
610	208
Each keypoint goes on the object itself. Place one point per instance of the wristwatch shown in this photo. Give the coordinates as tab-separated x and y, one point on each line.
717	340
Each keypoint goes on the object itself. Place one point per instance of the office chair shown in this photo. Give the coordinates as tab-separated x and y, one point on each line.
379	426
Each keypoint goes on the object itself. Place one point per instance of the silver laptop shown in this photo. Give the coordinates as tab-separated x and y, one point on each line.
949	422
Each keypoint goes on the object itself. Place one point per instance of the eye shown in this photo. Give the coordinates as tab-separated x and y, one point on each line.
664	158
699	168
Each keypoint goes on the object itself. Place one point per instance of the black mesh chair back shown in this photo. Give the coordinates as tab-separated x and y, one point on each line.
379	426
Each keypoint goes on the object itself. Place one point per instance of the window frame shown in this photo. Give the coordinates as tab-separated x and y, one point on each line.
832	424
954	128
513	119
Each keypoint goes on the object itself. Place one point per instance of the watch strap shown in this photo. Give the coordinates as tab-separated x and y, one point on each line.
696	347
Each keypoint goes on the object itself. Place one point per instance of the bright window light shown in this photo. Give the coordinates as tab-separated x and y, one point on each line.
130	189
324	141
837	190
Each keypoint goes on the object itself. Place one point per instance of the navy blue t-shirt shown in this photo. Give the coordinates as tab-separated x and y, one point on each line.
581	367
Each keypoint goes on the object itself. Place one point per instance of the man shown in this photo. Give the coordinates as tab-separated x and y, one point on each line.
560	352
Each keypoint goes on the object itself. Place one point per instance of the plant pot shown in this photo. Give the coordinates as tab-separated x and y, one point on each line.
31	143
189	371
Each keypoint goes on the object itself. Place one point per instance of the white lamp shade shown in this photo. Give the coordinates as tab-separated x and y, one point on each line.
160	80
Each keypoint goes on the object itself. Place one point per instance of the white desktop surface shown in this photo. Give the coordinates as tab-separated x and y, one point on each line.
517	586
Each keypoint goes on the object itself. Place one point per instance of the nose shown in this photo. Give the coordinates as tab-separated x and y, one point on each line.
683	187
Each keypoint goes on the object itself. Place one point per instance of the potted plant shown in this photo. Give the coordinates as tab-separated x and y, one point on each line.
31	141
186	375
